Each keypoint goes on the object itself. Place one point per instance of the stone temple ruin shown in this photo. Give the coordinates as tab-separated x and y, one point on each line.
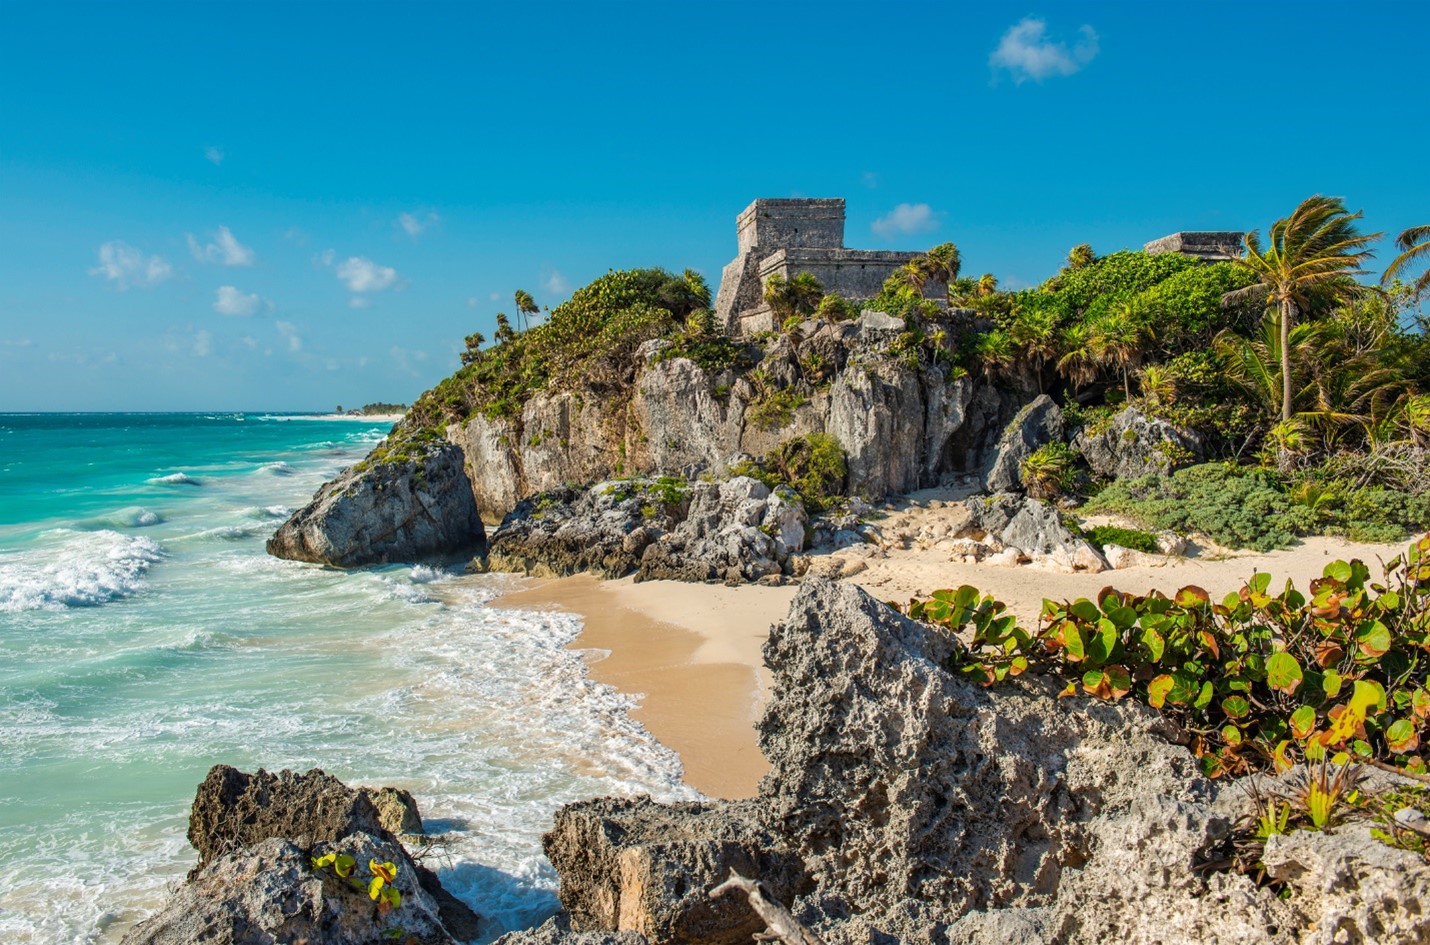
1206	246
786	237
791	236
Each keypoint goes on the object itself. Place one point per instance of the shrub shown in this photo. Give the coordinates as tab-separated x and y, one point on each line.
1050	470
1235	507
1258	681
812	465
1104	535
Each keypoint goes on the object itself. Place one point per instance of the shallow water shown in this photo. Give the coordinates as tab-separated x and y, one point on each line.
145	636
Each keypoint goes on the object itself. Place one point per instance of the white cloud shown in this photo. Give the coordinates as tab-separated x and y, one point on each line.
230	301
16	342
358	301
213	155
1026	52
203	344
407	360
225	250
290	332
326	257
126	266
413	225
471	301
495	296
871	179
556	283
907	219
363	275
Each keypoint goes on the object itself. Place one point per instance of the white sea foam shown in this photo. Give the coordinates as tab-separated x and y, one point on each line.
279	468
426	574
133	516
174	479
266	511
80	569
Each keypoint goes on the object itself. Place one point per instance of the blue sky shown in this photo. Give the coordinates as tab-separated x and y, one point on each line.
290	206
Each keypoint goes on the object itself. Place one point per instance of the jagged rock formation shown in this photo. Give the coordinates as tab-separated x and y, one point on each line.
1038	423
254	881
925	809
387	509
732	531
1032	530
1133	445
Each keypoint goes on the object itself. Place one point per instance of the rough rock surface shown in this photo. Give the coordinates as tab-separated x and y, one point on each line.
271	893
929	810
732	531
1038	423
374	512
1035	529
1134	445
233	811
639	866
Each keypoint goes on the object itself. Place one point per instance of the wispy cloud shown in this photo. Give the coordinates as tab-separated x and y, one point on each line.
361	274
414	225
358	301
907	219
225	250
230	301
471	301
870	179
213	155
1026	52
556	283
125	266
289	333
203	344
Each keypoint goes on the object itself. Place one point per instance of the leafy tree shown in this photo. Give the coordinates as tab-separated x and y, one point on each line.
525	307
1313	253
1119	337
941	264
987	284
1414	244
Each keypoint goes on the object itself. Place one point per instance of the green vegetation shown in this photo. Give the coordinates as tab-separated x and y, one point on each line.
1414	245
1050	471
812	465
379	886
1235	507
1104	535
1258	680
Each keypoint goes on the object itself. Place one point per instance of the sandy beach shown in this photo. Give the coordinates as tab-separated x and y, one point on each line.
691	652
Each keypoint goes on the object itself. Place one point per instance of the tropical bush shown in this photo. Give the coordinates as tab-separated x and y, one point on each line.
1257	681
1050	471
1104	535
813	465
1234	506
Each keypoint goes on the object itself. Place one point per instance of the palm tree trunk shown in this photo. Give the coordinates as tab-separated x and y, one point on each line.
1287	309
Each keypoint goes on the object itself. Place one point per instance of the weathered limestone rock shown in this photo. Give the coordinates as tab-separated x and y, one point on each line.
1034	528
1134	445
1118	557
638	866
733	531
1038	423
233	811
270	892
409	510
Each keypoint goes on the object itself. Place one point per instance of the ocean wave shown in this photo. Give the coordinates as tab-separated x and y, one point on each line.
133	516
227	532
85	570
266	512
174	479
426	574
279	468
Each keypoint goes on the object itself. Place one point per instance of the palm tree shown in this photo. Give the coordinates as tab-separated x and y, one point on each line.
1414	244
1081	256
790	297
1080	359
1119	337
912	275
504	331
1035	333
1317	250
525	307
942	264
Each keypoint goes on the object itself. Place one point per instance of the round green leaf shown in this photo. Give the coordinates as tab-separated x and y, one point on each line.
1303	721
1283	673
1236	707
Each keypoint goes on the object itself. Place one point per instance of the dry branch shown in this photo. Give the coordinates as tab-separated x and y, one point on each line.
780	926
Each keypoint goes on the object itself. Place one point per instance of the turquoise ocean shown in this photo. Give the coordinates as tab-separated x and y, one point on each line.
146	636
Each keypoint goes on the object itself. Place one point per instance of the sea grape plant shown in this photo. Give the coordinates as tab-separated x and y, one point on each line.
379	886
1258	681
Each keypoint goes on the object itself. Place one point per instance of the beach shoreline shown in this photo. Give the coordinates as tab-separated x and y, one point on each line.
691	653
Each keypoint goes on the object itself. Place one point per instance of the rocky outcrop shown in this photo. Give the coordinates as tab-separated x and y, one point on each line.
255	880
1038	423
271	892
1133	445
1032	529
639	866
732	531
925	809
413	507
